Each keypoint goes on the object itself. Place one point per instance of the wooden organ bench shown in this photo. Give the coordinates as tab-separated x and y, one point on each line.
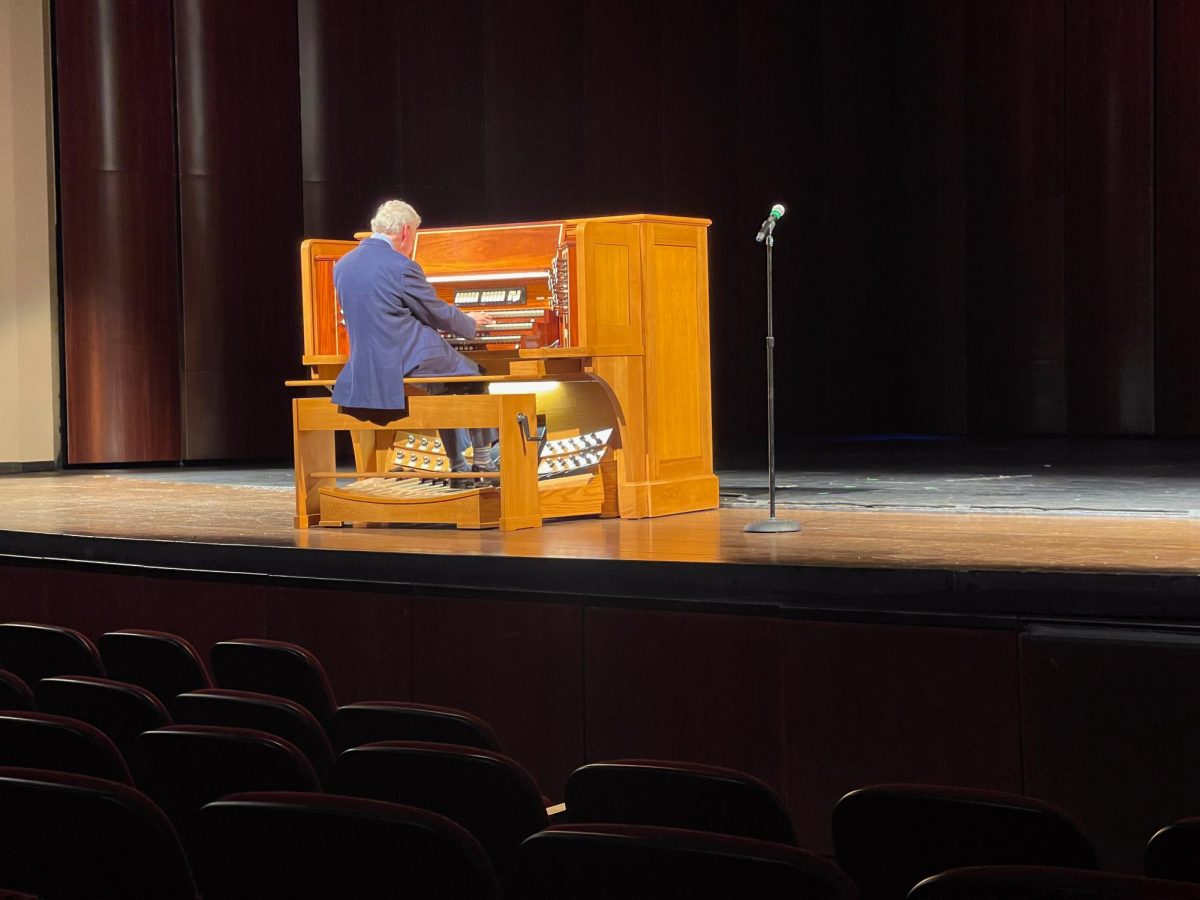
601	339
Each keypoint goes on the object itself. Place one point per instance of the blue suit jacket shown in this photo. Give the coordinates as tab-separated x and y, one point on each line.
392	317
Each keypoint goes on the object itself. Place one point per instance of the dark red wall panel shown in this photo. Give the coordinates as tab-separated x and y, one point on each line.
1177	215
1109	172
1014	225
117	195
870	704
671	685
240	223
516	664
1110	722
929	282
350	81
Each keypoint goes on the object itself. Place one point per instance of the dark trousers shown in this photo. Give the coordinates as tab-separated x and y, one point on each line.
456	440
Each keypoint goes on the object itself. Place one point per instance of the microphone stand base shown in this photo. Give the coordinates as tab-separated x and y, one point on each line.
772	526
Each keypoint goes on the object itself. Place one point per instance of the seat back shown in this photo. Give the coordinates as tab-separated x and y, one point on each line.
34	652
1047	883
122	711
87	837
275	667
889	837
678	795
34	740
163	663
488	794
384	720
1174	852
183	767
308	846
14	692
262	712
590	862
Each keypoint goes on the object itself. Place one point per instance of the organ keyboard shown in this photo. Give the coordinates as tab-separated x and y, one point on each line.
608	315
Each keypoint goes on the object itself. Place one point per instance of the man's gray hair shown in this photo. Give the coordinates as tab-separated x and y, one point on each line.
392	216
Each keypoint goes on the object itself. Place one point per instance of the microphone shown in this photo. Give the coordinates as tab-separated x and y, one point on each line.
768	224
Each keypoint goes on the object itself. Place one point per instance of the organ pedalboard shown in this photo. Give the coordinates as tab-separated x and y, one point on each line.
562	456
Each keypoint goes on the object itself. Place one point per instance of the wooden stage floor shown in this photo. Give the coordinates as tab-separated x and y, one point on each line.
118	506
875	560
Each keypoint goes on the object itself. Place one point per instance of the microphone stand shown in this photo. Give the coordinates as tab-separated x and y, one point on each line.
771	525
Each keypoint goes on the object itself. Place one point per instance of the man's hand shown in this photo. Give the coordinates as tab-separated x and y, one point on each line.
482	318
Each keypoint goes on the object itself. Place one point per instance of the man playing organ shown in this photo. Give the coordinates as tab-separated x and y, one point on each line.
393	317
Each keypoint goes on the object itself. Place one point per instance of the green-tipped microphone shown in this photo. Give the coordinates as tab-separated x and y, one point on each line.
768	224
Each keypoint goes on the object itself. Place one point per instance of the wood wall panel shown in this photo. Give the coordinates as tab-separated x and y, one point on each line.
533	108
351	122
778	158
1015	218
516	664
930	217
1177	215
364	640
870	704
1109	183
673	685
856	123
446	127
1110	722
240	224
117	221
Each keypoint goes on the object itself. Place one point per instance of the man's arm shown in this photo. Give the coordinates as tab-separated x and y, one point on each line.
423	302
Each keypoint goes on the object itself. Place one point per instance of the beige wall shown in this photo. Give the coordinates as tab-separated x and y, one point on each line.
28	304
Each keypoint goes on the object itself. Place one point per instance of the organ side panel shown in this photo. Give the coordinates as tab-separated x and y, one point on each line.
678	398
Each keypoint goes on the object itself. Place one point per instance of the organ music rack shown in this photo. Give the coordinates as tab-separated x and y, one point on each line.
614	310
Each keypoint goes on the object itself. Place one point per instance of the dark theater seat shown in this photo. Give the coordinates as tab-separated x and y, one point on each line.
14	692
1047	883
122	711
486	793
1174	852
640	862
38	740
678	795
262	712
183	767
81	837
889	837
163	663
34	652
289	670
315	847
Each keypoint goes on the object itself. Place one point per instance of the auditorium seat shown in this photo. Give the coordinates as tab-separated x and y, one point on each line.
889	837
1047	883
289	670
81	837
36	740
14	692
641	862
34	652
262	712
1174	852
677	795
182	767
310	846
122	711
486	793
163	663
388	720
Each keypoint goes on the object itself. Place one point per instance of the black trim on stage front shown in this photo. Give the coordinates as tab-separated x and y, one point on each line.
931	596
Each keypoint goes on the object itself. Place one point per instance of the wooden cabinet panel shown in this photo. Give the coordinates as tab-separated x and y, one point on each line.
516	664
869	704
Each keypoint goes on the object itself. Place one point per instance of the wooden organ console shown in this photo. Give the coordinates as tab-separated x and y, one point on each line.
600	338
